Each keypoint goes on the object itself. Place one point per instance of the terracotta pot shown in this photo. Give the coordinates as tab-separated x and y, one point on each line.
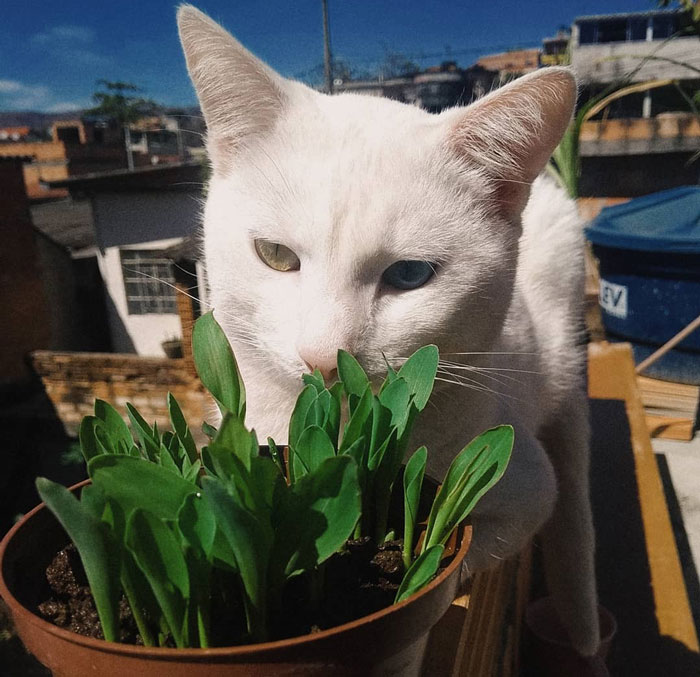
550	653
389	642
172	349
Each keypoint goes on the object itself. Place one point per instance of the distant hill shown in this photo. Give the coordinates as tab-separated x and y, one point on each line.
33	119
37	120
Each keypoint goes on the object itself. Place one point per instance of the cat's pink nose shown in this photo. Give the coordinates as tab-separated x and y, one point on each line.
328	366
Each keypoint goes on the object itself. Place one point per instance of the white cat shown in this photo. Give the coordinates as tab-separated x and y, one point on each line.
361	223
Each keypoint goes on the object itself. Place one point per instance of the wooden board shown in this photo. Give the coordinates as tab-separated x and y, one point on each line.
671	409
611	376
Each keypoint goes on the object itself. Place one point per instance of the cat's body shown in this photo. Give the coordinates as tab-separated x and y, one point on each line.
350	185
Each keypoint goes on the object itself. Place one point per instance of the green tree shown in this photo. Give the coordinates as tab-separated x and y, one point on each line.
118	104
396	65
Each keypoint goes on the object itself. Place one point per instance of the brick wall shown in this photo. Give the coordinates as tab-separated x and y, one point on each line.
74	380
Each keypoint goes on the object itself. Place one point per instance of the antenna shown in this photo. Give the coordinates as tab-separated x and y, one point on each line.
327	49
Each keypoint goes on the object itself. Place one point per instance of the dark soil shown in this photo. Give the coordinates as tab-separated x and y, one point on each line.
358	581
71	605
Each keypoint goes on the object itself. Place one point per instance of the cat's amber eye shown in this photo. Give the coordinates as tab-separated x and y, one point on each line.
277	256
408	274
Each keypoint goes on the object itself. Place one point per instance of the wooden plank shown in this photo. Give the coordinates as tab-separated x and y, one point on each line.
669	427
611	376
670	408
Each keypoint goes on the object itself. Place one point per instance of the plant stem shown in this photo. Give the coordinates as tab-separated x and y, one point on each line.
136	607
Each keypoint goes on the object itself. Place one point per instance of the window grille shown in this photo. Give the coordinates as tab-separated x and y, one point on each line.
148	280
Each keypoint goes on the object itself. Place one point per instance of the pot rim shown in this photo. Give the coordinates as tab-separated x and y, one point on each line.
464	533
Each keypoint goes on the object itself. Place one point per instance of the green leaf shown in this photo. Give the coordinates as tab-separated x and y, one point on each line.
315	516
197	524
149	437
209	430
419	372
276	455
136	483
88	440
412	483
216	365
181	428
351	374
117	430
472	473
314	379
158	554
381	430
360	423
168	455
396	398
237	439
312	448
297	422
192	474
250	540
98	552
420	573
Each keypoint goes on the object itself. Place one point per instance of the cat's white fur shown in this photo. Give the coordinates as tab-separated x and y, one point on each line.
352	184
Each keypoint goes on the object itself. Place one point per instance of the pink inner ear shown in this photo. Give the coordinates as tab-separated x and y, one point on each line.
512	132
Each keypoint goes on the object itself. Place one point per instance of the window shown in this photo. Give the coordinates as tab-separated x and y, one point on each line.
588	33
637	28
663	26
612	30
148	280
69	135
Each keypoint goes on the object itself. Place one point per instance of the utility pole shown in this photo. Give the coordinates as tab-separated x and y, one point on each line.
327	70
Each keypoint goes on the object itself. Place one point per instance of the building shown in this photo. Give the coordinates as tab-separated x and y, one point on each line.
138	215
76	147
555	50
434	89
24	320
511	63
636	47
642	142
91	144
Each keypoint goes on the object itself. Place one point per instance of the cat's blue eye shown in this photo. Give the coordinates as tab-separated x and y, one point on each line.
408	274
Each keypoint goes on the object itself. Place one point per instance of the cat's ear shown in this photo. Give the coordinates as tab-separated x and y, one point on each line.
511	133
240	96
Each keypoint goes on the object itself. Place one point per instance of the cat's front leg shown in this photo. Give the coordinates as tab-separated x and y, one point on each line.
512	512
568	539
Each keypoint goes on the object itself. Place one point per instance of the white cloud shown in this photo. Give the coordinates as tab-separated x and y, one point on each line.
9	86
69	43
65	106
15	95
64	34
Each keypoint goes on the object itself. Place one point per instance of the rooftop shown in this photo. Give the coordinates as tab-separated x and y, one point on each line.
66	222
620	15
186	176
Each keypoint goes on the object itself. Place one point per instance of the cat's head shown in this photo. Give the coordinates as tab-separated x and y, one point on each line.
357	222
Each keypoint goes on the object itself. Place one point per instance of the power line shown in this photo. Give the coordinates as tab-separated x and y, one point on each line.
481	50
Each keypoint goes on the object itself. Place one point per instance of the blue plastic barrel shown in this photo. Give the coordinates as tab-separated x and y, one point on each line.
648	251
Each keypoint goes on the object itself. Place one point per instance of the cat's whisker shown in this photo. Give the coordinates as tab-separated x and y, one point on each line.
476	372
490	352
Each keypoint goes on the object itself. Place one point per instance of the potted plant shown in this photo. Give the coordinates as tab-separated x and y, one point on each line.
230	561
172	347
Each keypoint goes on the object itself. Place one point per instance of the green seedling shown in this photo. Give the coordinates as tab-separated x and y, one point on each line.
167	524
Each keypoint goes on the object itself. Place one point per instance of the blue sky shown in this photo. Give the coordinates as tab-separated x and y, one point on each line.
53	51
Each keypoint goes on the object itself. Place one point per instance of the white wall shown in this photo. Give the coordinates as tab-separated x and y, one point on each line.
612	61
140	334
148	220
